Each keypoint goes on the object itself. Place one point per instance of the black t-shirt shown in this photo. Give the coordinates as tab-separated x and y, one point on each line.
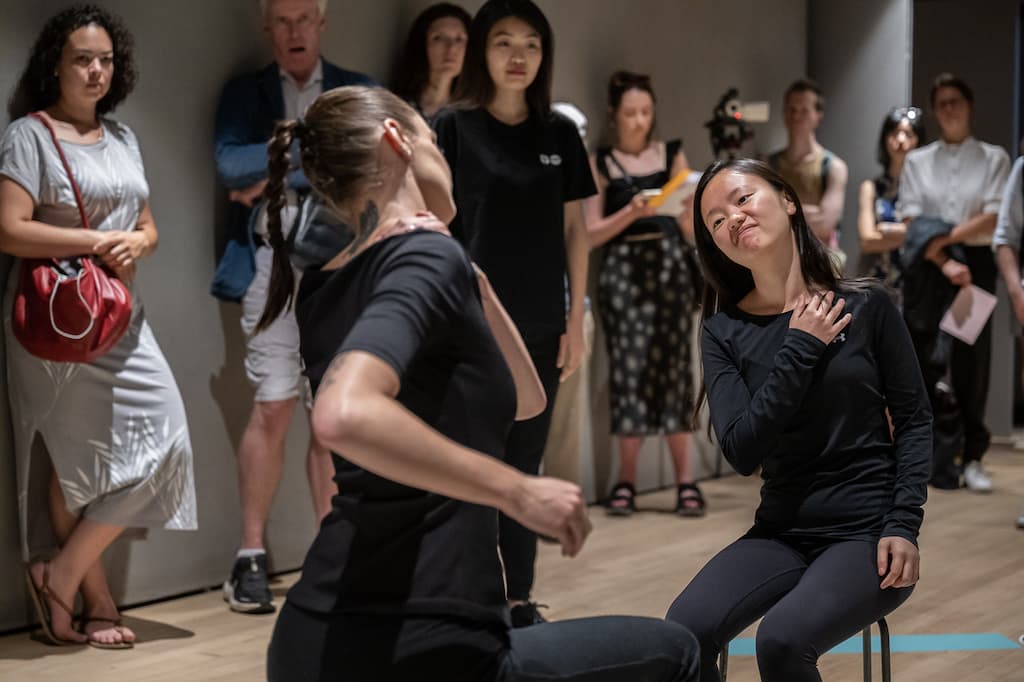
813	417
511	187
386	548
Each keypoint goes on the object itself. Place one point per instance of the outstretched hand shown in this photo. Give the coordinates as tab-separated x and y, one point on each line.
819	316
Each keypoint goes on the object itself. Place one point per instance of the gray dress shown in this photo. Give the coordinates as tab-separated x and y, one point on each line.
114	429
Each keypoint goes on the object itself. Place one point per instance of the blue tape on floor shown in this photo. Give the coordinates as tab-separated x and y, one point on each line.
976	641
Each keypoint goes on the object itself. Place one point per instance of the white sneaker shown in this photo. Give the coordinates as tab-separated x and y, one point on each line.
977	479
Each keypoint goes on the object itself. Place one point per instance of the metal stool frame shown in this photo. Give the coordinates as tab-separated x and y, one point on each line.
883	632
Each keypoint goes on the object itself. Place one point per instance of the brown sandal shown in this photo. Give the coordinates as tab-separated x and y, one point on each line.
116	622
39	596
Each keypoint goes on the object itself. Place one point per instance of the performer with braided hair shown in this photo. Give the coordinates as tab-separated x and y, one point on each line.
418	375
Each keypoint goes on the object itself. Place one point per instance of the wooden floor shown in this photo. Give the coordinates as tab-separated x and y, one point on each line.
972	567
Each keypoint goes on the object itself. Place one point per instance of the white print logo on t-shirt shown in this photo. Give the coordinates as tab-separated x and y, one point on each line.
841	338
551	159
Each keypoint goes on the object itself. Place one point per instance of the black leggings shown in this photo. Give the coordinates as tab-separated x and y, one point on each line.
309	647
524	450
811	600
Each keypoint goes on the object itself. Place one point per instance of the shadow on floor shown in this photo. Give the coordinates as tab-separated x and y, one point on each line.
31	646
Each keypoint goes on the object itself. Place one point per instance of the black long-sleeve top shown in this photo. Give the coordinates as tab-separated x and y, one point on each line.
813	418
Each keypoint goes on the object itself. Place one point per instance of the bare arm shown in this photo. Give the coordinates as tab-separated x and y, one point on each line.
356	413
601	228
824	218
577	248
980	225
1009	266
880	237
24	237
530	397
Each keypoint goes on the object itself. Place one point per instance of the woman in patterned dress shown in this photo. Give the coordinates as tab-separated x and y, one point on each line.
646	295
100	446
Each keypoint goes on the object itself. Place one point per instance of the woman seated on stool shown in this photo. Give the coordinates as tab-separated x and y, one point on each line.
415	396
799	368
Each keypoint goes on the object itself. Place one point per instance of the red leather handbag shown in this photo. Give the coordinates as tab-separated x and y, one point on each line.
72	310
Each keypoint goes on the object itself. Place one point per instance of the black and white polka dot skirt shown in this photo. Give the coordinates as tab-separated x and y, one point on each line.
646	302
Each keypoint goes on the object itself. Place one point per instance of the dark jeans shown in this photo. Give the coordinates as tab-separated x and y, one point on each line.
524	451
811	600
309	647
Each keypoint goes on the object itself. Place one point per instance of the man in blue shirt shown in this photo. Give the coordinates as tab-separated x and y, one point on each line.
249	107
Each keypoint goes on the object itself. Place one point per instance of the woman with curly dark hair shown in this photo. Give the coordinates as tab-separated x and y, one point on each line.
100	446
432	58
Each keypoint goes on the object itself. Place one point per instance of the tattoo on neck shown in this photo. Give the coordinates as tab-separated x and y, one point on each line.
367	223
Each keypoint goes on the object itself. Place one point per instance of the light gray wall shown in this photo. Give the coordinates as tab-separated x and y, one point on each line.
860	54
186	50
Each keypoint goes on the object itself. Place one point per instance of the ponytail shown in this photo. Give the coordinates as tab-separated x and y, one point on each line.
282	277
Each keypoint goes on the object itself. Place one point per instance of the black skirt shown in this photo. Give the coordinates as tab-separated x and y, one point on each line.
646	303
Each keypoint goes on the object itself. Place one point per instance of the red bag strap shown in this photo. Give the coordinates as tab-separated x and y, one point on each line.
67	167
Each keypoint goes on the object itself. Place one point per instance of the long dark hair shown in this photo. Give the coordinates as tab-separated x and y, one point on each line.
893	119
726	282
339	146
476	88
39	87
413	72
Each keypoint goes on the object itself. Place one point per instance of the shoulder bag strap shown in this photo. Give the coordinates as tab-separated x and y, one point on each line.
625	176
67	167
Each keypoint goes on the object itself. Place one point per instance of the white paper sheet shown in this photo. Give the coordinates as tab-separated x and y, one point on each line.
968	314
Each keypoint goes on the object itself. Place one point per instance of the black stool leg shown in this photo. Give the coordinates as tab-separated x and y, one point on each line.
723	661
867	653
883	631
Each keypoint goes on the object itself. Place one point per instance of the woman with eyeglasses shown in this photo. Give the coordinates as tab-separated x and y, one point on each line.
432	59
520	173
646	294
950	193
881	230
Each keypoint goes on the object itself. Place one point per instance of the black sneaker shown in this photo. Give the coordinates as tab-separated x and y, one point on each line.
248	590
524	615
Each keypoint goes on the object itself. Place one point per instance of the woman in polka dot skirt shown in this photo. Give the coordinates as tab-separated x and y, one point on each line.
647	293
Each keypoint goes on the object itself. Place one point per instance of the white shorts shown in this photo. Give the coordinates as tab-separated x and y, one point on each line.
272	361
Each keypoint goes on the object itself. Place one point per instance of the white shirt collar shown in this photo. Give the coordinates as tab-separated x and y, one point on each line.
316	78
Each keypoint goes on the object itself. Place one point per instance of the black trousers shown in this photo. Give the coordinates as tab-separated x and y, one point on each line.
971	364
308	647
811	598
524	451
969	368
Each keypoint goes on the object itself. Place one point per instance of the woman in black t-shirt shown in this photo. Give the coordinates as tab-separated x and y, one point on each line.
519	174
415	395
799	370
646	293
